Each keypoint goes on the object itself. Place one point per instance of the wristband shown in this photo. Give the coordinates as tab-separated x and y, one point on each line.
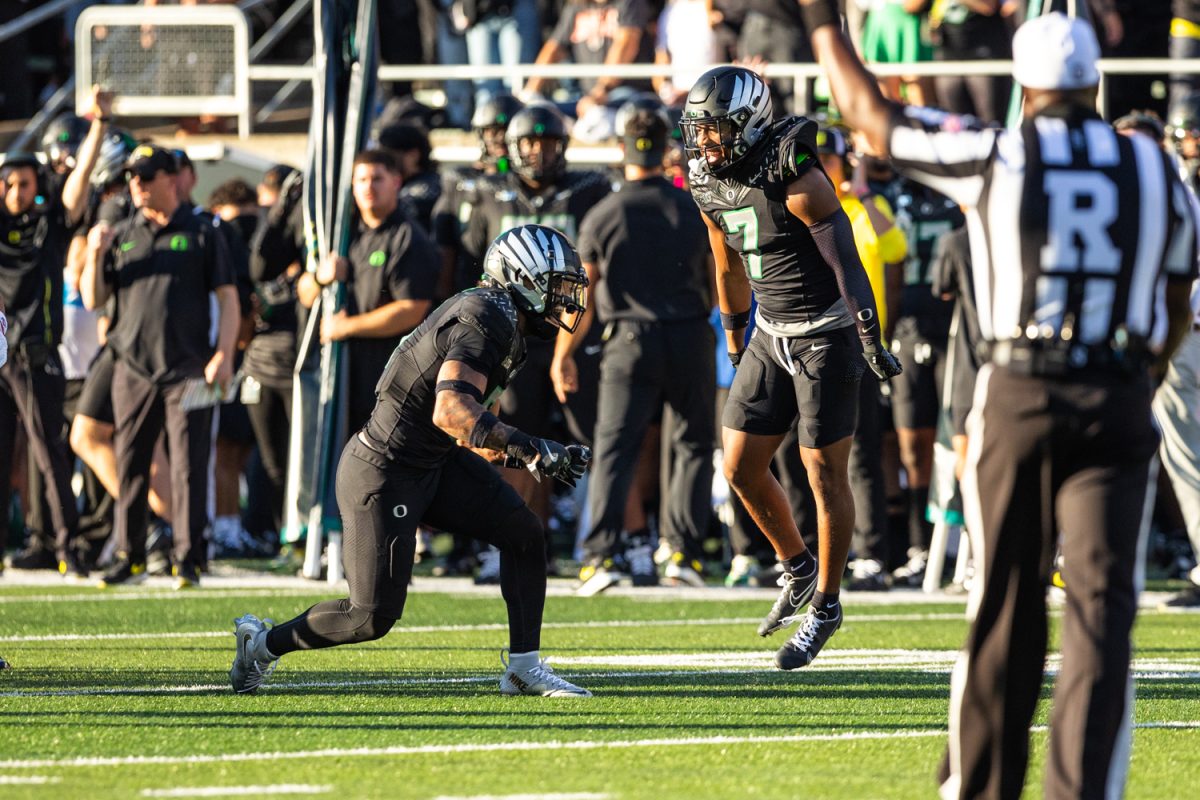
483	428
820	13
462	387
736	321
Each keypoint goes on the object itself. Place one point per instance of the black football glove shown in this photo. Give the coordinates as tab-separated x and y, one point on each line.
734	358
882	363
547	457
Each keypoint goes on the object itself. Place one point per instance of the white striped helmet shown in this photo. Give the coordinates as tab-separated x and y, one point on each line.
539	267
731	104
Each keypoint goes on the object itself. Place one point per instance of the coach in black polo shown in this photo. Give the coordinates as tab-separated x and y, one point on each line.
160	266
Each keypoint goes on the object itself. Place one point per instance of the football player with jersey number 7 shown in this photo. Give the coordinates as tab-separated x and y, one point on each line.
1083	251
777	228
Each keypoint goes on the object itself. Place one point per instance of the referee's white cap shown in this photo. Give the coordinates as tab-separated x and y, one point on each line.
1055	51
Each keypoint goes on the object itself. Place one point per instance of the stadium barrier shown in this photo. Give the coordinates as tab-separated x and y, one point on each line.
166	60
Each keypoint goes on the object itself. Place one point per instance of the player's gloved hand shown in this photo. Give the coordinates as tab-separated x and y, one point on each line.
735	358
548	457
881	362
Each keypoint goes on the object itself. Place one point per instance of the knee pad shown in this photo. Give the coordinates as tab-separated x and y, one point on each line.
369	625
520	531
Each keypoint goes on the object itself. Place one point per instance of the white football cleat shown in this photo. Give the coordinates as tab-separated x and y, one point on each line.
538	680
252	663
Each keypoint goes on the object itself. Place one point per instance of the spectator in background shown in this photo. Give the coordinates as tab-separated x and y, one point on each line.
685	39
774	32
500	32
276	261
390	274
452	50
601	32
892	34
420	183
35	221
972	30
235	204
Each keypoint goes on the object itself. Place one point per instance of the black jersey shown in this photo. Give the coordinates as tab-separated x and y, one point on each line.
925	217
451	212
477	327
797	291
505	202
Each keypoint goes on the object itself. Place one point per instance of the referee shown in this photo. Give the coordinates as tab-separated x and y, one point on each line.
1083	249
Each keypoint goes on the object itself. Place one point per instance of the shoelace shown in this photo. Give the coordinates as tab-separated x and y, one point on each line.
543	673
806	636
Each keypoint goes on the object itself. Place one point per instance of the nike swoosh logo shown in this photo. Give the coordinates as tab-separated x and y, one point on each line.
816	347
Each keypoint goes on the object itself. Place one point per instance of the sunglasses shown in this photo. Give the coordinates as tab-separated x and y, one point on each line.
144	174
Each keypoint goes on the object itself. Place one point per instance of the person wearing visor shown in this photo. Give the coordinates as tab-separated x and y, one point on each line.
538	189
418	462
646	255
776	228
159	267
1083	251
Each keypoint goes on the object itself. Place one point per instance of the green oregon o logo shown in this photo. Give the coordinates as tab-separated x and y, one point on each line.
377	258
179	243
14	237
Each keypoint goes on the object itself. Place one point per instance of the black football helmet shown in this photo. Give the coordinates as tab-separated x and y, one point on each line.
642	103
490	122
540	268
727	112
61	140
115	150
538	121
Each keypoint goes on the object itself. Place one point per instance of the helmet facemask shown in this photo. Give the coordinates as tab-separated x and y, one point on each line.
541	159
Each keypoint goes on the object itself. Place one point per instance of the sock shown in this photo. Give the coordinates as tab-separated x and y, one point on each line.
802	564
519	662
825	602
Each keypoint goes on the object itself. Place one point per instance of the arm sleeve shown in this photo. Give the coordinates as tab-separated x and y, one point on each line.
835	240
947	152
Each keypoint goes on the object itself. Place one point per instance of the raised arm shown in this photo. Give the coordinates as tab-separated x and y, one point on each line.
74	193
855	90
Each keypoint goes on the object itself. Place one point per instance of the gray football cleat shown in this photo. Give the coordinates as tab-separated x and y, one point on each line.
252	663
537	681
815	630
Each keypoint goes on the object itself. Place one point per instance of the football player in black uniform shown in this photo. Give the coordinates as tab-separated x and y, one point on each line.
764	197
539	189
408	465
461	187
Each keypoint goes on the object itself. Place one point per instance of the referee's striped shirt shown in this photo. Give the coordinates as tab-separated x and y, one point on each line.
1074	228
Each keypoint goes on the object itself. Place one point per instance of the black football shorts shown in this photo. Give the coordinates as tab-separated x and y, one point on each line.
809	381
917	391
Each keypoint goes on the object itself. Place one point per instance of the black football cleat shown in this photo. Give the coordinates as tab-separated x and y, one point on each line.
807	641
798	589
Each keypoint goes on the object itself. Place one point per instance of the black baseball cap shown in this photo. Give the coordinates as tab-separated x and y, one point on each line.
147	160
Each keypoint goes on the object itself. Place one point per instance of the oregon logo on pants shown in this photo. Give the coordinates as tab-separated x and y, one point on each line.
400	511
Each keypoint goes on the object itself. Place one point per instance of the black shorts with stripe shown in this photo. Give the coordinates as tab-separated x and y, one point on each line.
810	382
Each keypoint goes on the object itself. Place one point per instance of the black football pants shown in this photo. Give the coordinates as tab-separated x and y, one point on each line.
1049	458
31	391
381	505
142	410
644	366
866	475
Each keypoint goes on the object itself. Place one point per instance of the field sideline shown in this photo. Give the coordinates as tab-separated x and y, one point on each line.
124	694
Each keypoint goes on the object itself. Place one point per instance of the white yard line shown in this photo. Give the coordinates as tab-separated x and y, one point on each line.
668	665
28	780
487	626
551	796
236	791
518	747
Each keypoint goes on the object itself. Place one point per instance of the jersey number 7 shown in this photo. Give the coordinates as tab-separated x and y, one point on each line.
746	220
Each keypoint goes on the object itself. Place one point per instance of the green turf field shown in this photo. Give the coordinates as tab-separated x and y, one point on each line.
687	705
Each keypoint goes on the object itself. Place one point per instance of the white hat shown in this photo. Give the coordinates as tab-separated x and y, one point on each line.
1055	51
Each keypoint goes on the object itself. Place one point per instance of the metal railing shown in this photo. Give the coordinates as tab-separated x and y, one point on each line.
166	60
